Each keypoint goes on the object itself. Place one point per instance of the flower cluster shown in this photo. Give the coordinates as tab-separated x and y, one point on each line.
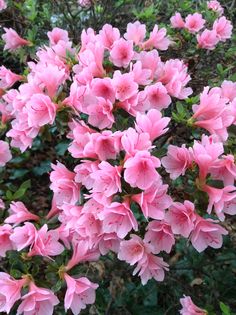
118	91
194	23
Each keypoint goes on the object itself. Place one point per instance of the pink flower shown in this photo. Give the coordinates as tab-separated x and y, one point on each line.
80	292
215	6
124	85
194	22
122	53
5	153
5	241
2	205
157	96
118	218
84	170
133	142
157	39
3	5
23	236
41	110
152	123
218	197
100	114
207	233
108	35
135	32
140	170
224	169
228	89
13	40
63	184
10	291
154	200
38	300
103	88
177	161
177	21
85	3
8	78
189	308
160	236
56	35
223	28
106	179
133	250
181	217
19	213
207	39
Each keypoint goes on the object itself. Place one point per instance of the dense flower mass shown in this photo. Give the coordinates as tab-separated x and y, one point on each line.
119	91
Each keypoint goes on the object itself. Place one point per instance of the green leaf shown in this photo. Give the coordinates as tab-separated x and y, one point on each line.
225	309
22	190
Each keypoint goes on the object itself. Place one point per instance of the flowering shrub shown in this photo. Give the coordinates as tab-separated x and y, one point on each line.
131	186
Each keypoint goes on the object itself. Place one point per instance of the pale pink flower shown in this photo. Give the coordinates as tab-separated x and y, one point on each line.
2	205
154	200
121	52
135	32
228	89
8	78
84	170
207	39
141	76
157	96
109	242
10	291
215	6
5	153
107	179
152	123
230	207
38	301
85	3
108	35
160	236
63	184
157	39
41	110
189	308
118	218
100	114
133	141
224	169
23	236
194	22
218	197
150	60
3	5
56	35
13	40
140	170
207	233
223	28
177	21
181	217
125	86
133	250
19	213
80	292
177	161
5	241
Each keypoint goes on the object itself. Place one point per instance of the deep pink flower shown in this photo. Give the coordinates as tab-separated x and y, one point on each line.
207	39
140	170
177	21
80	292
223	28
19	213
38	300
13	40
160	236
135	32
122	53
177	161
181	217
5	153
207	233
194	22
5	241
189	308
10	291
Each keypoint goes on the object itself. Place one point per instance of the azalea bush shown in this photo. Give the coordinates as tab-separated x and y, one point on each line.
117	166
